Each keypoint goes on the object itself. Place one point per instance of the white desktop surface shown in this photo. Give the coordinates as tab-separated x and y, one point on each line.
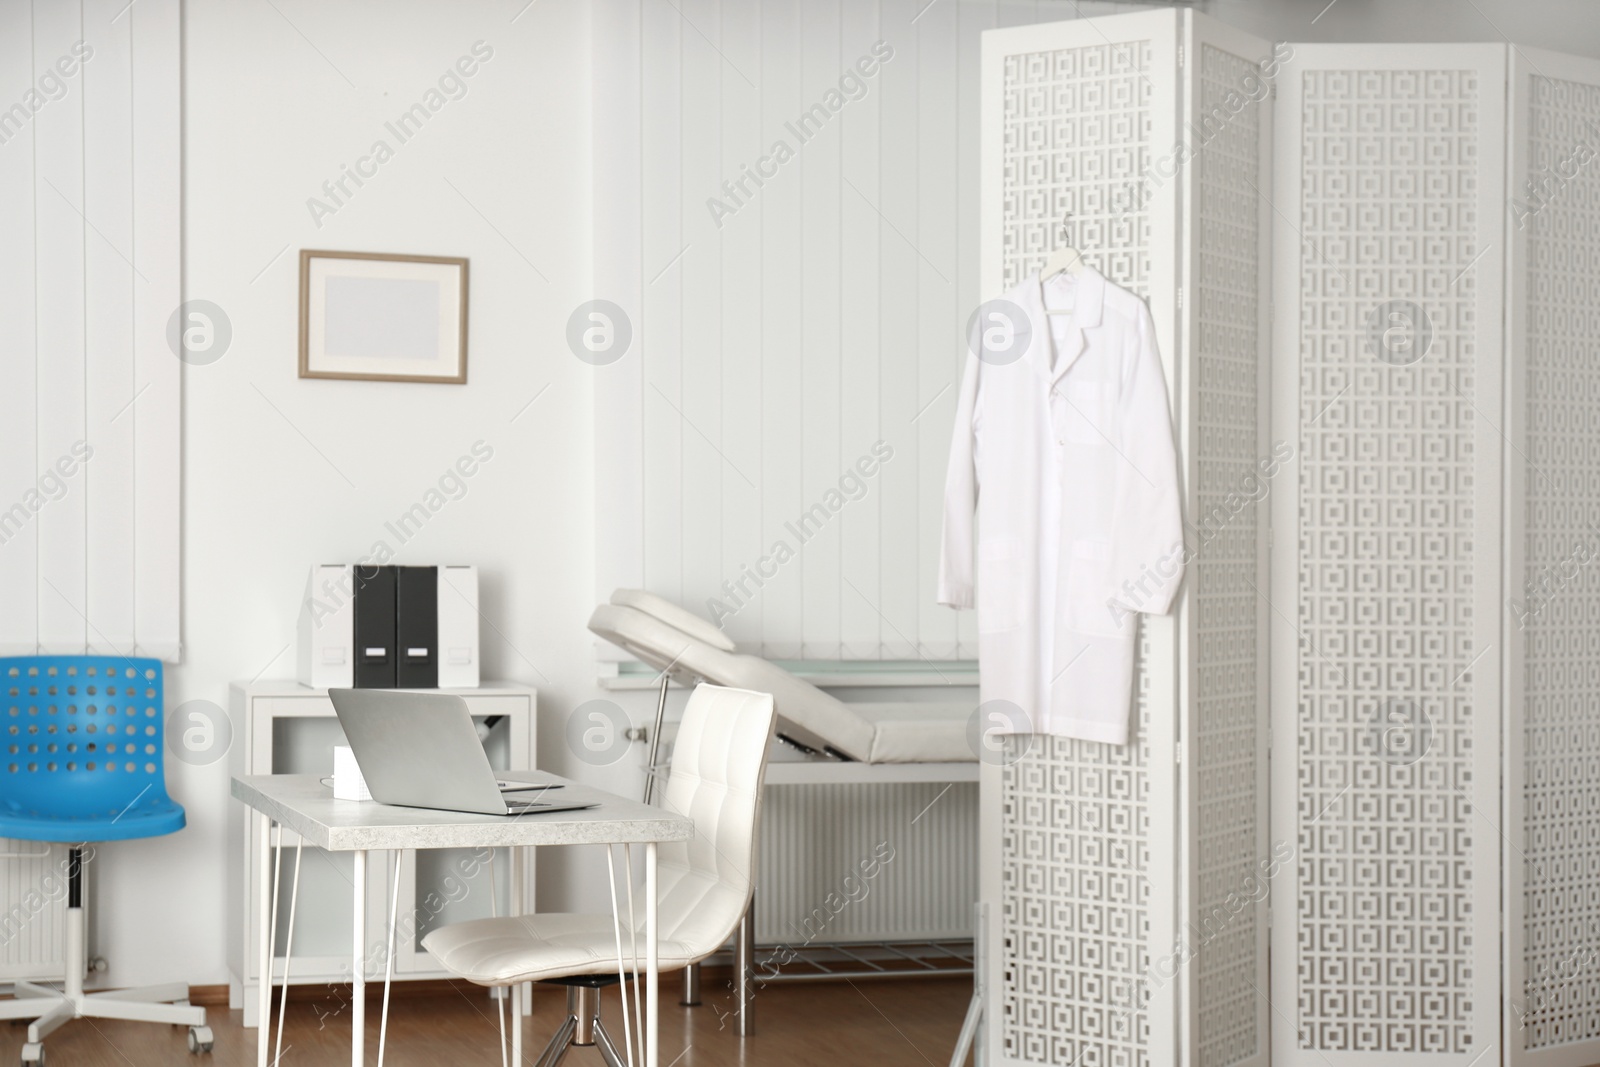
304	804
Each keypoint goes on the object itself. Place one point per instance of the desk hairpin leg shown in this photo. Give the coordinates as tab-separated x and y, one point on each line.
622	974
515	889
388	964
358	975
633	949
267	887
652	992
288	945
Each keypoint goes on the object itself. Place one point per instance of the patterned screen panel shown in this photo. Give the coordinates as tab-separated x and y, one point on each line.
1387	493
1075	890
1224	537
1559	604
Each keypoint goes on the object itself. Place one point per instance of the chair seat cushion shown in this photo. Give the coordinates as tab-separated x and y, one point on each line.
530	948
147	816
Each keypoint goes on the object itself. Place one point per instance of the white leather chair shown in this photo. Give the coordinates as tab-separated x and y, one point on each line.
705	883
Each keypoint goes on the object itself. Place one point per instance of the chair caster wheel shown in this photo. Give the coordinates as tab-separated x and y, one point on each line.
33	1054
200	1039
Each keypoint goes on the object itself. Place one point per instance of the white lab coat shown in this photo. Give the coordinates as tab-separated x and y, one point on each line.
1067	463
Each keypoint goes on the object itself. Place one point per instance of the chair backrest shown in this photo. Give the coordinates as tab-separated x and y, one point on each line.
83	735
719	763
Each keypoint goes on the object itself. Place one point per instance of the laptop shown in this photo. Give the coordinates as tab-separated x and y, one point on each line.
420	750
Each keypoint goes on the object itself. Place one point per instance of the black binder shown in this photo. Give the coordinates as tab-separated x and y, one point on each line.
374	627
417	627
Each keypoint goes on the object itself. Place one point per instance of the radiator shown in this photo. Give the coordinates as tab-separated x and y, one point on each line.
33	903
867	862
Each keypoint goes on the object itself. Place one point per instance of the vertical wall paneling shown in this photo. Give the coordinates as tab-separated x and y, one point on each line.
59	264
1386	577
660	325
738	453
860	316
823	56
109	284
1552	607
903	265
779	444
90	276
619	388
939	324
972	21
1079	842
1226	180
19	545
156	64
826	220
705	80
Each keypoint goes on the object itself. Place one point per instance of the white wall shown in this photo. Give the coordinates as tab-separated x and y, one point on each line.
281	473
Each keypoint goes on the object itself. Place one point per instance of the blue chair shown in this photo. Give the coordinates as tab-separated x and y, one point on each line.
82	761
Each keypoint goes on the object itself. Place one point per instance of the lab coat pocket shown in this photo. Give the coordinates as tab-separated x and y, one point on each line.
1083	413
999	586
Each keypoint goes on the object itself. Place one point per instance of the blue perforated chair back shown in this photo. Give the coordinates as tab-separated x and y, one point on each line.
83	746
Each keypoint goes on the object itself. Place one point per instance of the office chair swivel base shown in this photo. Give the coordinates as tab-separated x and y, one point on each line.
582	1026
49	1008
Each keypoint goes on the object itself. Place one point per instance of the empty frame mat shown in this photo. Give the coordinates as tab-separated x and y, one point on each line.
383	318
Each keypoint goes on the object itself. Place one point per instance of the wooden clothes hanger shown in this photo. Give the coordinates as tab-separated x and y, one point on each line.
1066	259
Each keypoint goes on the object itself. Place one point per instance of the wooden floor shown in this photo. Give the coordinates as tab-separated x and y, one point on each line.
884	1023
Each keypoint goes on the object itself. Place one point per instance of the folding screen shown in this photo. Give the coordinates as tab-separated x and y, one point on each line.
1231	466
1552	609
1433	469
1386	635
1108	943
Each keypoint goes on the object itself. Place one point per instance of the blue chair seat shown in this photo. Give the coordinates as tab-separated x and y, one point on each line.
81	758
146	817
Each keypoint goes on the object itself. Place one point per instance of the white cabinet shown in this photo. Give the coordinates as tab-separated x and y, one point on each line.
285	727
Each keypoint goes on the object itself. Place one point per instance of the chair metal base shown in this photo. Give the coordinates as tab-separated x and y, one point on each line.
582	1028
49	1008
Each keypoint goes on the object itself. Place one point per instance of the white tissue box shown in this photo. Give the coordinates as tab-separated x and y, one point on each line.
347	781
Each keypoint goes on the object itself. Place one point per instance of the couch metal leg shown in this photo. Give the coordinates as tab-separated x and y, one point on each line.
744	964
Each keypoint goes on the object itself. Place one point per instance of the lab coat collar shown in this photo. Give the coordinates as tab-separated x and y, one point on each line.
1087	303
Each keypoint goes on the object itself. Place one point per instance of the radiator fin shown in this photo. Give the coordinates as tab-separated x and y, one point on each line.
815	839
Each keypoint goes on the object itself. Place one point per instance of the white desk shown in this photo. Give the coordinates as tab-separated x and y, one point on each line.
302	804
283	727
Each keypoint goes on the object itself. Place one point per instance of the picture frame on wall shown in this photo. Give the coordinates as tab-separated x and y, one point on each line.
372	316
